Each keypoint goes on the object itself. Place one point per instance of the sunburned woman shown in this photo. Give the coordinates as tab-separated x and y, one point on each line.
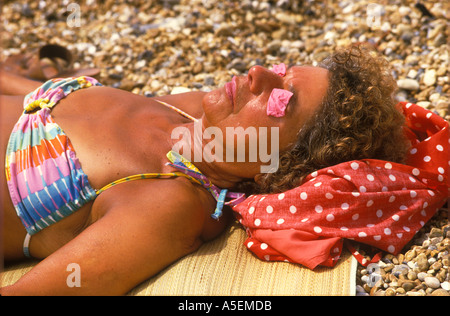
89	179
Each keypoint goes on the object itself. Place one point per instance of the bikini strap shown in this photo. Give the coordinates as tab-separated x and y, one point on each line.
192	173
184	165
177	110
146	176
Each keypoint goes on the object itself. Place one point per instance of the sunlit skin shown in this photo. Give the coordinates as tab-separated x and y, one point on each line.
133	230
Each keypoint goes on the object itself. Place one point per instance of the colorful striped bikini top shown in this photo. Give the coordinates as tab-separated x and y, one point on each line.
189	171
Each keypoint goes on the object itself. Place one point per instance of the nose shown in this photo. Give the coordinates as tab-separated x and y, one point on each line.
261	78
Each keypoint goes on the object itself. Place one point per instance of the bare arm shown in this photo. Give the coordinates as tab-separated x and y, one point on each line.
11	84
137	237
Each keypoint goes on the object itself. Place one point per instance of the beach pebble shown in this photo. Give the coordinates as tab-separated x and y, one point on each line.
432	282
408	84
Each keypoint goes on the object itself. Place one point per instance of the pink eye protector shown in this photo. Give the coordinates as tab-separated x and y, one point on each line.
279	98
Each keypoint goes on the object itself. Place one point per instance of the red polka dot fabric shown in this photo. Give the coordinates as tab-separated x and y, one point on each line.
374	202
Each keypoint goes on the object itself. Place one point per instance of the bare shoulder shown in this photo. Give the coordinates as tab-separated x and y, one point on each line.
185	205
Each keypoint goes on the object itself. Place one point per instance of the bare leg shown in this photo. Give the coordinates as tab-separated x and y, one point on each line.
11	84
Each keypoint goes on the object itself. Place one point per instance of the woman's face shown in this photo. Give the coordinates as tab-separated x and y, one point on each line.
243	101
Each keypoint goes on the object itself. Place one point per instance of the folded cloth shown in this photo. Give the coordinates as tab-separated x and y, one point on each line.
371	201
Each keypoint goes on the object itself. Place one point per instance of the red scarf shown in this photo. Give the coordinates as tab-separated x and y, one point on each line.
374	202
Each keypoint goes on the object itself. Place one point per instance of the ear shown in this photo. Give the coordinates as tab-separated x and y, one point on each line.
259	178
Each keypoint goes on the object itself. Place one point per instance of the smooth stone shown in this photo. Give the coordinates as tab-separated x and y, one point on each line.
408	84
432	282
429	78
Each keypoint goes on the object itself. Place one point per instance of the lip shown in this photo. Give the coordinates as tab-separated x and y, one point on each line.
230	89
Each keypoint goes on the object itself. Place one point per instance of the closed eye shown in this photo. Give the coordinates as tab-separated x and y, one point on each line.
293	99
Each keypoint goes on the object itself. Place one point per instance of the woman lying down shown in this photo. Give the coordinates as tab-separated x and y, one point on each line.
95	176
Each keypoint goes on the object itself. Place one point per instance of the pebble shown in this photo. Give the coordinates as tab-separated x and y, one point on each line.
421	270
432	282
408	84
429	78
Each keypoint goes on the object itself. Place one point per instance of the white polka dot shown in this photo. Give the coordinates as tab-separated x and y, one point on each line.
262	198
251	210
354	165
379	213
391	198
403	207
387	231
330	217
441	170
423	213
370	177
328	195
429	114
317	229
343	228
318	184
370	225
362	234
281	196
426	158
412	179
362	189
249	244
430	192
407	229
304	220
318	209
314	174
264	246
416	172
440	148
345	206
425	204
399	235
369	203
377	237
413	151
422	223
303	195
392	177
384	189
440	178
395	217
391	248
356	194
292	209
280	221
347	177
388	165
267	257
257	222
355	216
269	209
413	194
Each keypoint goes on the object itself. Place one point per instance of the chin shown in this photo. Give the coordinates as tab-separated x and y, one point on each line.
216	105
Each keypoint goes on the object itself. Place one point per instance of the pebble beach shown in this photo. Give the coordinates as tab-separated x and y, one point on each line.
155	48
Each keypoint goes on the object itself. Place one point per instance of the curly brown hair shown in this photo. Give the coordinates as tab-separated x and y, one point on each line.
357	119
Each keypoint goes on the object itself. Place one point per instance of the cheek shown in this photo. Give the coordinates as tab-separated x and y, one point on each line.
214	107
